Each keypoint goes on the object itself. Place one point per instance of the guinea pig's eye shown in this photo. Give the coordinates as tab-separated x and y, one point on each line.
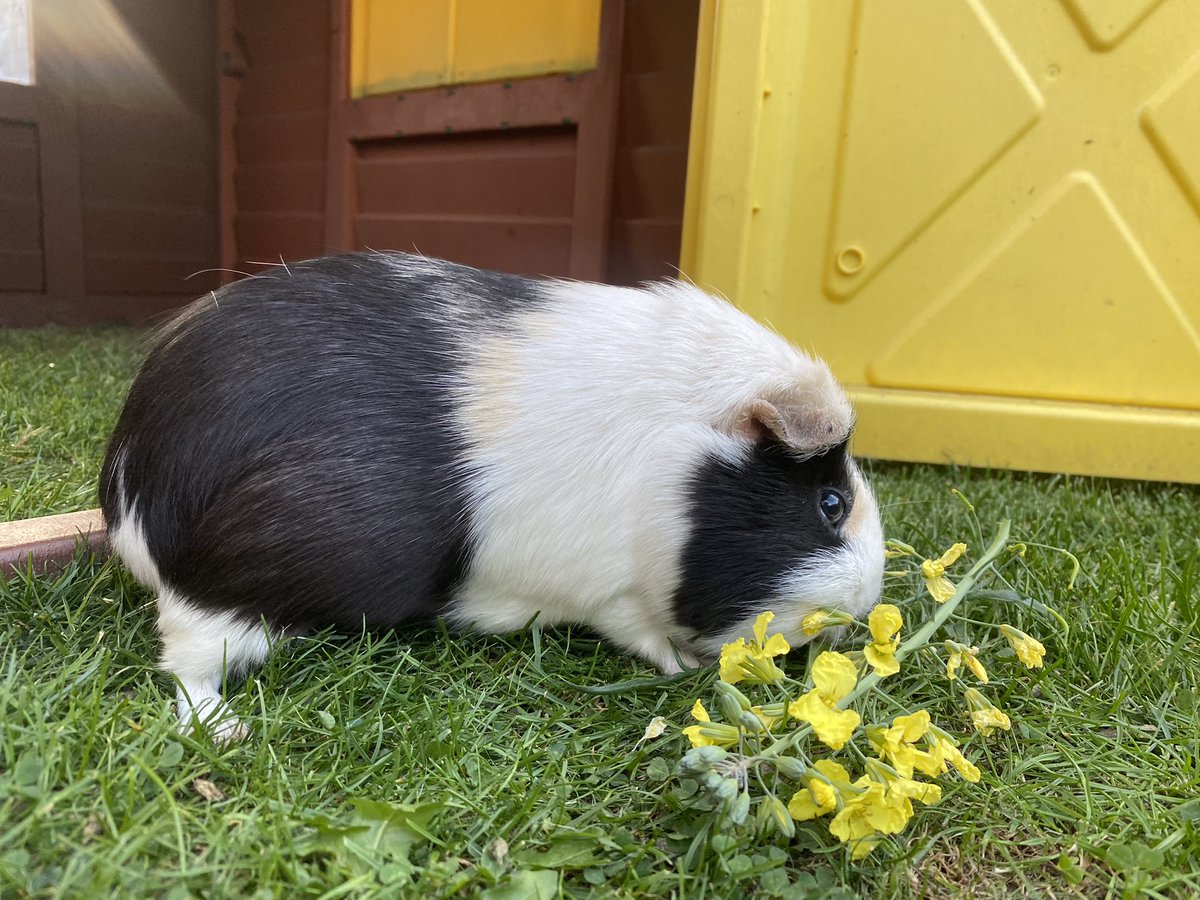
832	506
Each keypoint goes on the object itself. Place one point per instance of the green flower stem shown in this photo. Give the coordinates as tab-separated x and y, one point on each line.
921	638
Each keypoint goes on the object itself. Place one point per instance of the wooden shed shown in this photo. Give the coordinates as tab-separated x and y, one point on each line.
156	155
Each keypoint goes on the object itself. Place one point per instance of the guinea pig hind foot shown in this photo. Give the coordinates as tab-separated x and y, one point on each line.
213	714
201	648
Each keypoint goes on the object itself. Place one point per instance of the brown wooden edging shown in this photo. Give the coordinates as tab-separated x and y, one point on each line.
50	542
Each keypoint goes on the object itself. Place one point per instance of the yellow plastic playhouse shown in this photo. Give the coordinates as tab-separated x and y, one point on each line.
985	214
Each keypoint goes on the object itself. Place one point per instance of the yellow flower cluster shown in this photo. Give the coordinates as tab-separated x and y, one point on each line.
879	802
770	737
753	662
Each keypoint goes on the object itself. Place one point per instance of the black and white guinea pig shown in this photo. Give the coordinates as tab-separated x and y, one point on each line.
386	438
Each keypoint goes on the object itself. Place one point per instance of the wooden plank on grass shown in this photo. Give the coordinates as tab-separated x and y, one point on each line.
50	542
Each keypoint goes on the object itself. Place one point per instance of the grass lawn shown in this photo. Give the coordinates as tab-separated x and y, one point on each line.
417	764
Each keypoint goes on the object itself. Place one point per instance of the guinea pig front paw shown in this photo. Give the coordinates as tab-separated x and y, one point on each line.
214	717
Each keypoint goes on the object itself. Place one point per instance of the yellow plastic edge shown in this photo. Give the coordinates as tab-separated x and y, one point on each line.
697	140
1032	435
726	108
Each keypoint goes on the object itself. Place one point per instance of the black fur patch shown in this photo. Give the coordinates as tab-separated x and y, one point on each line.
752	523
289	444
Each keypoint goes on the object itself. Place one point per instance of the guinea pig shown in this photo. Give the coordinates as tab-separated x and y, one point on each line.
382	438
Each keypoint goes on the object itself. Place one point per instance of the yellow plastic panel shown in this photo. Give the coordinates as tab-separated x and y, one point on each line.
1105	22
891	188
984	214
1136	333
401	45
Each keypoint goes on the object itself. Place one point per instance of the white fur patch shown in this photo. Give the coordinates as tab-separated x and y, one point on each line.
201	648
128	539
584	420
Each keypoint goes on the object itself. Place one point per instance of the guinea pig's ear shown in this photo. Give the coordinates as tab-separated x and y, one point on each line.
808	418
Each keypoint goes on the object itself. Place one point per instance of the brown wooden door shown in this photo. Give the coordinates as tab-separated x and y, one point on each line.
108	163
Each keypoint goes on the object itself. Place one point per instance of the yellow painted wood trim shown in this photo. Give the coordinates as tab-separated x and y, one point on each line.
358	49
403	45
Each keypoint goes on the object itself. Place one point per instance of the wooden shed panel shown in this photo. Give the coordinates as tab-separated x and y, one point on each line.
654	119
282	138
644	250
650	182
500	199
282	31
265	237
18	159
156	274
655	108
296	187
111	229
150	220
21	258
487	175
522	247
299	84
660	36
125	180
281	129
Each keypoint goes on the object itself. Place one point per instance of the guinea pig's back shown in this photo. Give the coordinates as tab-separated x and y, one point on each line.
289	448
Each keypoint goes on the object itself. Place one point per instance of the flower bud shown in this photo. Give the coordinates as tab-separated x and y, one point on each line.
739	809
701	759
894	548
729	707
763	818
781	818
725	689
727	790
750	722
790	767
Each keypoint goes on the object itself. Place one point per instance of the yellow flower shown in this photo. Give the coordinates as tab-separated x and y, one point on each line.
752	662
933	571
904	788
944	750
984	716
823	787
895	743
874	810
1029	650
885	623
961	654
816	622
834	676
709	733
